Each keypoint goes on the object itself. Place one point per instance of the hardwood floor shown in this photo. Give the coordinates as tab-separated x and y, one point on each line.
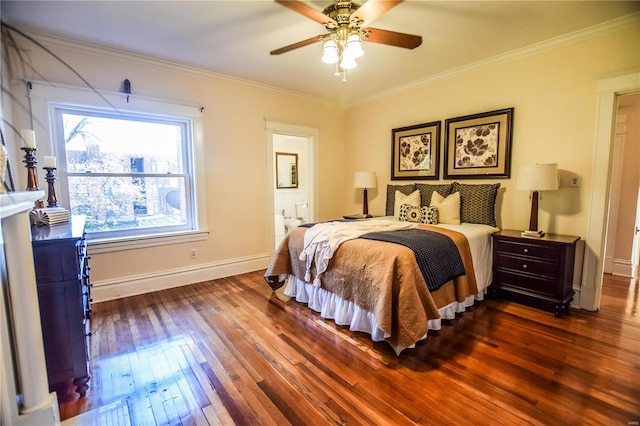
230	352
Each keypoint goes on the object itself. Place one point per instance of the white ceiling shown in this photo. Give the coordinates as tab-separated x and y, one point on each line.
235	37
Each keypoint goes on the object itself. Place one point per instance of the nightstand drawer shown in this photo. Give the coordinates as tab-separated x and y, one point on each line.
527	249
527	264
537	284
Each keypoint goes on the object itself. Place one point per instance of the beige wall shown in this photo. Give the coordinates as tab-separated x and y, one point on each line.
554	96
235	150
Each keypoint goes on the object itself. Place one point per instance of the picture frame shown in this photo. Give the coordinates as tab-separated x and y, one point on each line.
286	170
415	152
478	146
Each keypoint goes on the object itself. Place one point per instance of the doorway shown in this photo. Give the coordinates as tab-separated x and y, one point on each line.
621	249
294	203
608	89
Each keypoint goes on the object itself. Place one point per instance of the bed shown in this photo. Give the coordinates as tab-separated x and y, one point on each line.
379	287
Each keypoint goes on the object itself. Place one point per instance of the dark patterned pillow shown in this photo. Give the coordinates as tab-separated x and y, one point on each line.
391	195
426	189
477	202
424	214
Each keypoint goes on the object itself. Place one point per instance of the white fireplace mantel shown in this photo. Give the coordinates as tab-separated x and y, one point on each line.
24	389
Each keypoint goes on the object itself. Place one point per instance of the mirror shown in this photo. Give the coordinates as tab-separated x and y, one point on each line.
286	170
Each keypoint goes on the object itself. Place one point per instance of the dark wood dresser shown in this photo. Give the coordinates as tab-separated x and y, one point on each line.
64	295
534	271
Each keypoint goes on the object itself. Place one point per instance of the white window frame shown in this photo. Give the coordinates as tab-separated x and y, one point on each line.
46	98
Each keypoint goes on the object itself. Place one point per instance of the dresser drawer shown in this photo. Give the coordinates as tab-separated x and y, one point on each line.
527	249
527	264
537	284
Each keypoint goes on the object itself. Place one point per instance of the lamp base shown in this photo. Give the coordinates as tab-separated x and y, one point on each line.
534	234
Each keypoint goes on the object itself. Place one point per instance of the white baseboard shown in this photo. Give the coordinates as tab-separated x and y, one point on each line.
575	303
160	280
608	265
622	267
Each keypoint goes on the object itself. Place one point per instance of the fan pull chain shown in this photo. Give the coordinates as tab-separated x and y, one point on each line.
344	75
337	73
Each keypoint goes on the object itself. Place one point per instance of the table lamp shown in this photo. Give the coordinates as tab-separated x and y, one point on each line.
536	177
365	180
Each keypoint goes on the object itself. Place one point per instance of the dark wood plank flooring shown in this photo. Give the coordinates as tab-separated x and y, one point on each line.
230	352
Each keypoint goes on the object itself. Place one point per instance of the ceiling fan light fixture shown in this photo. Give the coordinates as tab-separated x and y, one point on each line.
330	53
346	23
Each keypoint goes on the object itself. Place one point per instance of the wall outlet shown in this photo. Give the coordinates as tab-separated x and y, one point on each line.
193	253
575	180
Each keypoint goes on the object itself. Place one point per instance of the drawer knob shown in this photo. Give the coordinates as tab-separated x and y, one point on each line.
524	266
526	250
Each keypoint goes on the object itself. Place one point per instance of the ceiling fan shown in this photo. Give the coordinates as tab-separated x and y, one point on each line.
345	23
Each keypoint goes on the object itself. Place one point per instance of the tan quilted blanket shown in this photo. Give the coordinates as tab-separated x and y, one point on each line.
383	278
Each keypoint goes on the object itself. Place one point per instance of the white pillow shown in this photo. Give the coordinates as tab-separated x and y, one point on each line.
412	199
448	208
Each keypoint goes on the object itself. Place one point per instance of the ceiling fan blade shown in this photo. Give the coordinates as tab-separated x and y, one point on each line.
297	45
306	10
393	38
372	10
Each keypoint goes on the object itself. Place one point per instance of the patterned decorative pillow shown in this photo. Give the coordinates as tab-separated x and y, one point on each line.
391	195
477	202
423	214
448	208
426	189
412	199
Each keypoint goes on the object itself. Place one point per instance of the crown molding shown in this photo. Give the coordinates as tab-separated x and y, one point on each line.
543	46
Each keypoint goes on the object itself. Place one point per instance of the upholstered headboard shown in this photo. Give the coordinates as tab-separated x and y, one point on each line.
476	205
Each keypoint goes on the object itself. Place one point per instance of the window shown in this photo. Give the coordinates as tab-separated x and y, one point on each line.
129	169
126	174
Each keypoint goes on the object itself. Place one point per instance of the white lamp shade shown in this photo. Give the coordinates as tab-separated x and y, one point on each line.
364	180
538	177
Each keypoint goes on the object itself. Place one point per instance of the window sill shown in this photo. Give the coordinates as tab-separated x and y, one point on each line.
144	241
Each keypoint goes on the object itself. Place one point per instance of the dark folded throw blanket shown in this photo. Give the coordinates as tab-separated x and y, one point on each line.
436	254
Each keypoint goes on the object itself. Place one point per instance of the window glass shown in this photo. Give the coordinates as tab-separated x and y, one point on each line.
126	173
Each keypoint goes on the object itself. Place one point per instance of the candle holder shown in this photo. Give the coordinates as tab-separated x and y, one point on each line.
50	177
31	161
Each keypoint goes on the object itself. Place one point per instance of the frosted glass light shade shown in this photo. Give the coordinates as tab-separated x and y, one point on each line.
538	177
364	180
330	52
348	63
354	48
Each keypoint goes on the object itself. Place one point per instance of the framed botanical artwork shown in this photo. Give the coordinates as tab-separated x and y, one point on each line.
415	152
479	146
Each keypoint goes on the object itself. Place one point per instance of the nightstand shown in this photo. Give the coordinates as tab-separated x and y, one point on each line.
534	271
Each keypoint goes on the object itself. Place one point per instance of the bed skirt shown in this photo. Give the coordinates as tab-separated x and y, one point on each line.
346	313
